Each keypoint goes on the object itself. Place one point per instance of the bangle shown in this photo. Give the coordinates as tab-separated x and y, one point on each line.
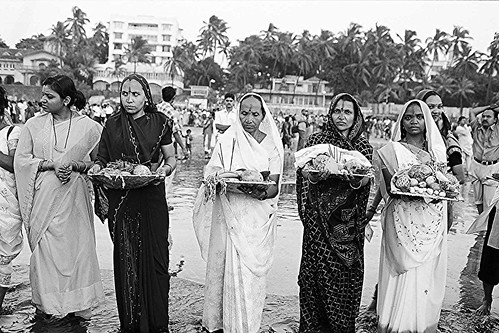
310	181
171	168
356	188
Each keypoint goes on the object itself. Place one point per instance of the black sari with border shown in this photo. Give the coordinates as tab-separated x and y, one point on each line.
138	223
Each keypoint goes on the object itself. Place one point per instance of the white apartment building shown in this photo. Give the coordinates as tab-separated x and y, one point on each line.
161	33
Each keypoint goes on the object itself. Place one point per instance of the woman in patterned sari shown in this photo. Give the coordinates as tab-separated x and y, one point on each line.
332	213
138	219
413	258
53	155
236	231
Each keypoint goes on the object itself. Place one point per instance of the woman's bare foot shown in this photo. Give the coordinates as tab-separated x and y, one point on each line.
484	309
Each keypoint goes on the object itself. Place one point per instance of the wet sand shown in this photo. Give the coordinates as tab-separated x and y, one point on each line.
281	313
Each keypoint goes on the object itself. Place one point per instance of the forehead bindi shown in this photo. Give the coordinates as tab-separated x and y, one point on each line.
344	105
132	86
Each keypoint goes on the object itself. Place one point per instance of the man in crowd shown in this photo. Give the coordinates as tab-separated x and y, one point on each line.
486	163
168	94
302	128
225	118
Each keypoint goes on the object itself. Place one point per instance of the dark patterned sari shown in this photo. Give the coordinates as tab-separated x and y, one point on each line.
333	217
138	222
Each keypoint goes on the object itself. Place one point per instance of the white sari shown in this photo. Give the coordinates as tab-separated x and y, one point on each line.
236	232
413	258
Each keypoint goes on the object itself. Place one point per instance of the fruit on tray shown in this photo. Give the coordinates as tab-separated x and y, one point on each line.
423	180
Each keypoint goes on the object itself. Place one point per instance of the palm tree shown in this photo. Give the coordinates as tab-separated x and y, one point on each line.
412	54
463	90
386	91
490	66
139	51
281	51
175	65
303	60
118	70
458	41
466	63
323	49
351	41
360	70
445	85
76	25
59	38
437	45
213	35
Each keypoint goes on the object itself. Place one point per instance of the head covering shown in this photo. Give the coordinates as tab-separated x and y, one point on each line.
239	150
150	106
128	140
436	145
326	197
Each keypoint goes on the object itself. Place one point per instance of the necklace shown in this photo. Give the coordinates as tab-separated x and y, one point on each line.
419	147
67	135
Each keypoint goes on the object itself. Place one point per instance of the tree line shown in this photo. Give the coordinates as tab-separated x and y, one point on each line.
369	63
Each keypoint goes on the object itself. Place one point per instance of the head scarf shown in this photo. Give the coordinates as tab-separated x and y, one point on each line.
149	106
126	137
436	145
237	149
327	197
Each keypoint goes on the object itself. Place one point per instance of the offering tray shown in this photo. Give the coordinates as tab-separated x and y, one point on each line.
125	182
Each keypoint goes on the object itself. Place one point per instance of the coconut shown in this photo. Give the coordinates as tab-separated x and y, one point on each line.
141	170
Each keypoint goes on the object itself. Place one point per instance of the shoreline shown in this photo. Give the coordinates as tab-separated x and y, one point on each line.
280	314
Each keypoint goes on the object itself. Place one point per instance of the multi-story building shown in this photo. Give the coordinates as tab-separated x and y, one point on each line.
162	35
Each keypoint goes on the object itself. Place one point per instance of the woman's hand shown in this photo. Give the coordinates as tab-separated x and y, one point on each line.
63	171
94	169
258	192
165	170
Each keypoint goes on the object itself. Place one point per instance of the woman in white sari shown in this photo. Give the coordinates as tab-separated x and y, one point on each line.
51	160
11	238
413	259
236	232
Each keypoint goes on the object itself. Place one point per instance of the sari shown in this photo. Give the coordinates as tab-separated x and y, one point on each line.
138	219
236	232
58	218
11	237
333	217
413	258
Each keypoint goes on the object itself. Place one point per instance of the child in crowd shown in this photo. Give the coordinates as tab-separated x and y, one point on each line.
188	141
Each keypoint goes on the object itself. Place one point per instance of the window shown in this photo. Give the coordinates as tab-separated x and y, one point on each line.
118	35
167	27
118	25
166	38
166	48
118	46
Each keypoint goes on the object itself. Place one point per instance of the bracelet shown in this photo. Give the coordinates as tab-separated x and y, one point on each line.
356	188
171	168
310	181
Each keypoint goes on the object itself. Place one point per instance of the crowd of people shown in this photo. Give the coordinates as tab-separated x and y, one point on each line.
44	167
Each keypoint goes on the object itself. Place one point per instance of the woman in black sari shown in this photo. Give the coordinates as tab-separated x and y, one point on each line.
333	216
138	218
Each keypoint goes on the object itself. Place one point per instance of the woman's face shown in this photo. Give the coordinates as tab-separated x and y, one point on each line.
413	120
343	115
436	107
133	97
251	114
51	100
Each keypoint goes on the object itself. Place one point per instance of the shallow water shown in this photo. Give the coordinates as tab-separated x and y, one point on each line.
281	312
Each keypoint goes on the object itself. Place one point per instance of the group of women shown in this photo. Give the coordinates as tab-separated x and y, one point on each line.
236	231
52	154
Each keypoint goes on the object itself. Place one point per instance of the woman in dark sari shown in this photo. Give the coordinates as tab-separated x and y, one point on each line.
332	213
138	218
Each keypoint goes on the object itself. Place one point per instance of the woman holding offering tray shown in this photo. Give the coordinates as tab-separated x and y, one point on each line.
236	231
332	212
413	259
138	218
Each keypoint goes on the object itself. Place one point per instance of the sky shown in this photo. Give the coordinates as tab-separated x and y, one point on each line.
24	18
